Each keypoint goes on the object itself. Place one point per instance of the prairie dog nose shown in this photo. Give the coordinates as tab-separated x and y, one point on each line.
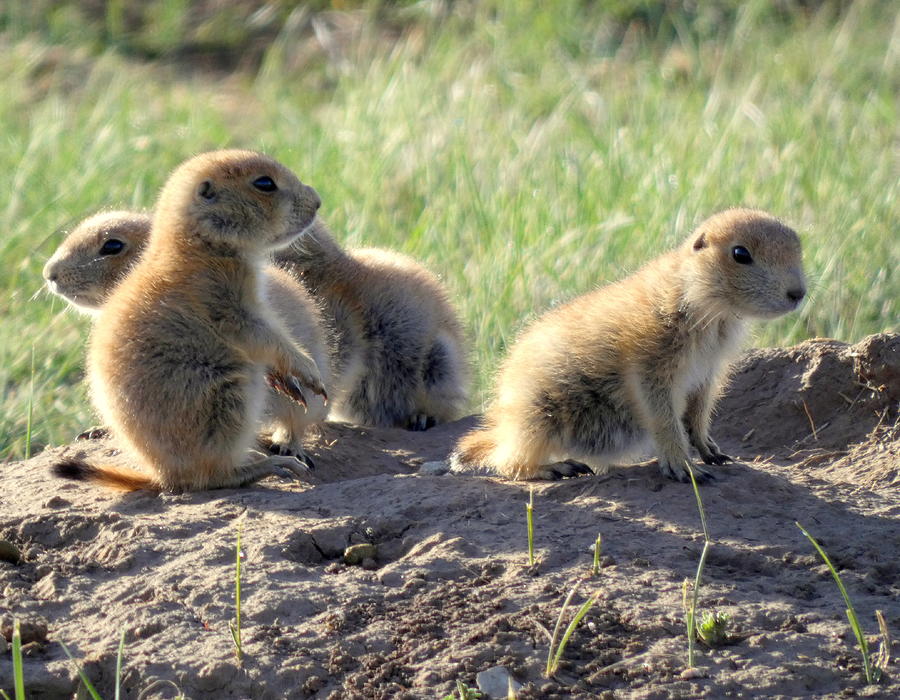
315	195
50	273
796	295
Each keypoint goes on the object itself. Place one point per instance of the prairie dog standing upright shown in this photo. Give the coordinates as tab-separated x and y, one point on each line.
102	250
641	358
179	353
399	360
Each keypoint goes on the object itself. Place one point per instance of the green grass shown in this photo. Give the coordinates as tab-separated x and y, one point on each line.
872	672
526	152
235	625
18	668
529	525
691	606
557	648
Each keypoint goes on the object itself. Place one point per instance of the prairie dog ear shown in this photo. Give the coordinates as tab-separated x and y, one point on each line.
206	190
700	242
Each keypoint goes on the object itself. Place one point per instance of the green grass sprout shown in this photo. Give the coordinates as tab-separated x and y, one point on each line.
691	606
18	669
872	673
555	652
595	568
85	681
529	521
235	625
463	692
119	656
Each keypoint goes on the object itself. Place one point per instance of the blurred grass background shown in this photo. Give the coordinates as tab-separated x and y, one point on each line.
526	151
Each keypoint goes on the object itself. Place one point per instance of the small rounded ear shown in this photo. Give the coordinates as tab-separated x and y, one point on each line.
206	190
700	242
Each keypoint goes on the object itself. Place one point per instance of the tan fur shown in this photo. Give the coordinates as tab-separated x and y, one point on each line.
640	360
82	274
178	353
82	271
399	357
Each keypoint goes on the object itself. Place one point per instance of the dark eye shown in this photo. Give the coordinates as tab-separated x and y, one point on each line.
265	184
741	255
111	247
207	191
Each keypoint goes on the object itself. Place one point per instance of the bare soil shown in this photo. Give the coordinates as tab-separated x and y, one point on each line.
450	593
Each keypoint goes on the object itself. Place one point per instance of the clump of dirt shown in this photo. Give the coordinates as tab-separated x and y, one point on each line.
445	590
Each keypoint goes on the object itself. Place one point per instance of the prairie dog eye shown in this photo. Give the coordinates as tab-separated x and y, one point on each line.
265	184
111	246
741	255
207	191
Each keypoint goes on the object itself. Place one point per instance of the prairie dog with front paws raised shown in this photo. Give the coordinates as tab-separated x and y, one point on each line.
179	353
640	360
100	251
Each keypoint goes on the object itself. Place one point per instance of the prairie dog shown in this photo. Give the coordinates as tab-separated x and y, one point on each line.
180	352
641	358
399	360
96	256
103	249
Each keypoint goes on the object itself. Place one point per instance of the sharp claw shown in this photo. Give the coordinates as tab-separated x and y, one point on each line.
579	468
308	461
297	392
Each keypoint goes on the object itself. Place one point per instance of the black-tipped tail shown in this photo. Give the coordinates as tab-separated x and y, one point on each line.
114	477
74	469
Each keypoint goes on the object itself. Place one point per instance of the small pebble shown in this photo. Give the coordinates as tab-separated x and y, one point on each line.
693	673
9	552
434	468
495	682
356	554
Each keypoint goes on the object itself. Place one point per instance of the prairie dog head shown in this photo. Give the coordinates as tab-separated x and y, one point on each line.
745	262
240	200
96	256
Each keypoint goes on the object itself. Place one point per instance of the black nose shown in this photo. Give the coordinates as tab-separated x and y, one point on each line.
796	295
51	276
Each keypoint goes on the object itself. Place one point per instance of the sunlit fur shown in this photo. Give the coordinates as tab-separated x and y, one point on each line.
400	358
85	278
178	352
639	362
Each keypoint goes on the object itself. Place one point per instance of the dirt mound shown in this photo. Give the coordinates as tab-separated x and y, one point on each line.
448	591
821	399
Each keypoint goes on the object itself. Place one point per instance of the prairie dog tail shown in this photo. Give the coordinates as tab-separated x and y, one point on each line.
474	451
120	478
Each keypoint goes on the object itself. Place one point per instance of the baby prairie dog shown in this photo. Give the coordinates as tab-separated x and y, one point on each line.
641	358
96	256
399	360
180	352
102	250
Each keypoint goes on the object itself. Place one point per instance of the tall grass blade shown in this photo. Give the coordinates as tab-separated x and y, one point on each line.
88	686
691	614
30	409
851	612
235	626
